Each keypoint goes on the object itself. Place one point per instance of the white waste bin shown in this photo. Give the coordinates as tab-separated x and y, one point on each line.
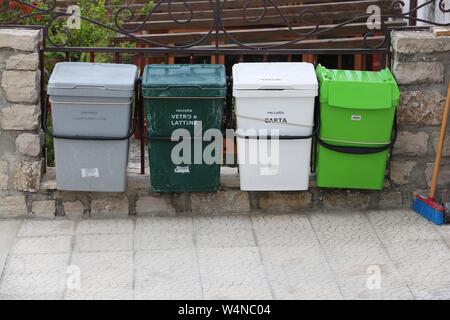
278	99
91	100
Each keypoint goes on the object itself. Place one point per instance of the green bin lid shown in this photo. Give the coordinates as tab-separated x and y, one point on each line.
201	76
358	89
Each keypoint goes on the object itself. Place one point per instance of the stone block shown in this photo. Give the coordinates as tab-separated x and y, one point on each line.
44	208
21	86
411	144
410	42
445	196
4	176
154	205
13	206
421	107
29	62
285	202
73	208
20	39
345	199
446	152
27	175
401	171
418	72
20	117
29	144
110	206
139	182
390	200
222	202
444	174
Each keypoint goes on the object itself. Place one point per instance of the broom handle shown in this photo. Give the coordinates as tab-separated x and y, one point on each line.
440	147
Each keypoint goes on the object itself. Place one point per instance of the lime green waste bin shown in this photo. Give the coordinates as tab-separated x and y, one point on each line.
190	98
357	118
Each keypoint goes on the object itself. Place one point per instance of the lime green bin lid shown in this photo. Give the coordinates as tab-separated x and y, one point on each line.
358	89
184	75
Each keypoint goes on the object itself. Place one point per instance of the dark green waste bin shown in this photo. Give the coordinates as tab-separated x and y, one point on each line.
190	98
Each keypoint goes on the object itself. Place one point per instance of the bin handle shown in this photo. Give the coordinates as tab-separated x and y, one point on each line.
362	150
89	87
355	150
96	138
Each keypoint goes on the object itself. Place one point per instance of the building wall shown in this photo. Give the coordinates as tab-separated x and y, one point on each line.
433	13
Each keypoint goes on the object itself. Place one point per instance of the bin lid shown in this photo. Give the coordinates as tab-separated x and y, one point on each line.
201	76
274	76
92	79
358	89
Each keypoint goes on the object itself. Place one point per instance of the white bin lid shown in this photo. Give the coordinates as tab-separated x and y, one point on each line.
92	79
275	76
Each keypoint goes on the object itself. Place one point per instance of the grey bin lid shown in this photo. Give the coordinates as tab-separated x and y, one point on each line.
80	79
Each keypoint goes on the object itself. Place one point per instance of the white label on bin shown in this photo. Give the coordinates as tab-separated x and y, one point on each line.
90	173
182	169
356	118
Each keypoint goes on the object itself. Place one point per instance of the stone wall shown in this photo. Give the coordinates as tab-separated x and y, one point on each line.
21	138
421	64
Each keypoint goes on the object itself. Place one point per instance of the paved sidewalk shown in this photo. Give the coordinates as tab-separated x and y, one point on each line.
376	255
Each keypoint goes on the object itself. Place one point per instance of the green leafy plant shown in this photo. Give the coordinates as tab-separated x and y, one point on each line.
147	8
49	145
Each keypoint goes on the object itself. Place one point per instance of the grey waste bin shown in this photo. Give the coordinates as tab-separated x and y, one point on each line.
91	100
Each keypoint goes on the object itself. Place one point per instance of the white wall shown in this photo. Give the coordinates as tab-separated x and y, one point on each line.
432	13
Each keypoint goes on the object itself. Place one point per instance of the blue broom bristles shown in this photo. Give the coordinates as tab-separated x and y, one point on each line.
434	215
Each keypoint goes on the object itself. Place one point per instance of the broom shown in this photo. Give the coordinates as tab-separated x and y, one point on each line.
427	206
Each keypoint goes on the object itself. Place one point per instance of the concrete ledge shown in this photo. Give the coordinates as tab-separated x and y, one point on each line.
141	201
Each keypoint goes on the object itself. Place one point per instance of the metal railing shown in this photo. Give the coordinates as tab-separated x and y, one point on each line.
16	12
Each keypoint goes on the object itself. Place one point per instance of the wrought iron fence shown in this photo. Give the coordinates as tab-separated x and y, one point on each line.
128	23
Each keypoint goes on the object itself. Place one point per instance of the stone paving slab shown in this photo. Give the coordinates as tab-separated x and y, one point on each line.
299	273
228	273
333	255
164	233
113	226
103	242
8	231
46	244
158	272
282	230
34	228
223	232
